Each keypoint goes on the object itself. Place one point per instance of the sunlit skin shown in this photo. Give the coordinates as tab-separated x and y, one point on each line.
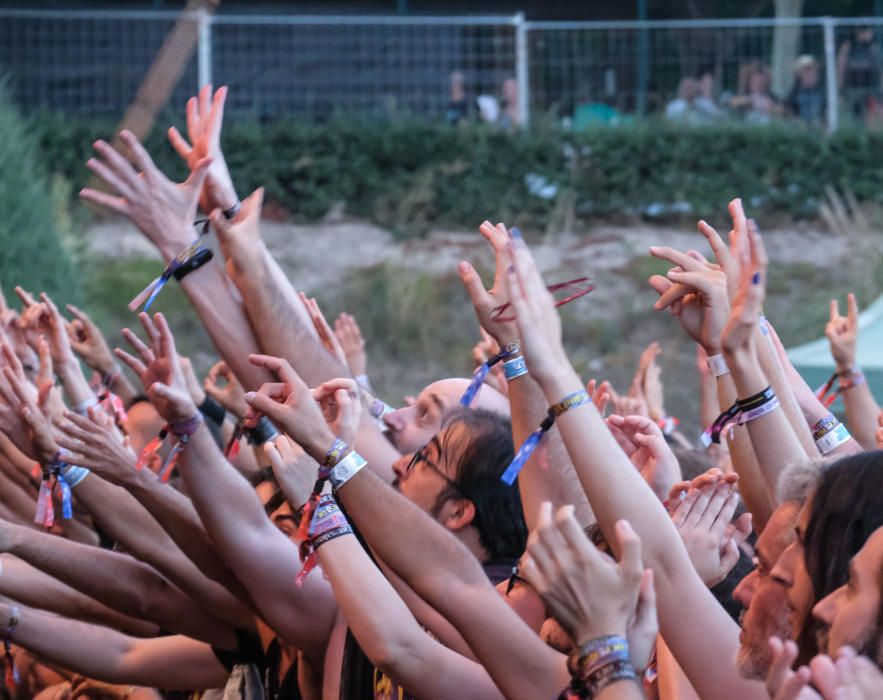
790	571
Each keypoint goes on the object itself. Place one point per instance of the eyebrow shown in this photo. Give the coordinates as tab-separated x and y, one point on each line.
433	397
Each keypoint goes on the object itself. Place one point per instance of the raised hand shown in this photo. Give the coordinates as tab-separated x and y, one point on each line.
784	684
537	320
590	594
857	677
294	469
642	440
46	320
737	337
339	401
159	369
600	394
20	419
704	521
163	210
289	403
88	342
842	333
349	337
240	239
484	301
326	335
230	395
92	442
205	116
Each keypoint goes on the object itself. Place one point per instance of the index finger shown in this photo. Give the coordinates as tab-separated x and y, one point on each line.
277	365
25	296
852	310
835	310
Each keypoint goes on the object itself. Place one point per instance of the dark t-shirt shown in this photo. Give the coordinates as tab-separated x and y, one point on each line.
250	651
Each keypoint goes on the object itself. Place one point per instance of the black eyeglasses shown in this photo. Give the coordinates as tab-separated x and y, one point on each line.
420	458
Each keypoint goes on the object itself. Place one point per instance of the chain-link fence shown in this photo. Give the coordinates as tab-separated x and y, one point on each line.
821	71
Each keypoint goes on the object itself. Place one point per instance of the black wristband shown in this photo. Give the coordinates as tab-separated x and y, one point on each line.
200	258
233	211
212	410
263	432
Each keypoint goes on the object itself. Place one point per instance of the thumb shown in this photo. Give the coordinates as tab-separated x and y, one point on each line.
264	404
472	281
198	174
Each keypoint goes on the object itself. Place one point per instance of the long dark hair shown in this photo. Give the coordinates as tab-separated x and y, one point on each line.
847	506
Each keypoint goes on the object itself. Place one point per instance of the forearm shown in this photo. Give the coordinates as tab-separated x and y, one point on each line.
208	290
118	581
106	655
752	484
177	516
75	385
774	441
27	584
443	572
708	400
264	560
126	521
861	414
617	491
20	501
771	366
548	474
281	323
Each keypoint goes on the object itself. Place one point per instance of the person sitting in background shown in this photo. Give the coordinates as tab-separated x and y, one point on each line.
806	101
757	104
458	106
692	106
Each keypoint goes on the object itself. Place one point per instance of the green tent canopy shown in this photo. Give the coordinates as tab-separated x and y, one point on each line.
814	362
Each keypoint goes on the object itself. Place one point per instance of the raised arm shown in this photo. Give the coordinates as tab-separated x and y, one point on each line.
858	401
175	663
264	560
616	491
440	569
117	580
774	442
116	511
91	441
27	584
540	480
164	212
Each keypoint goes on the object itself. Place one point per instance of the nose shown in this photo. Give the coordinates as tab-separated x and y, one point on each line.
744	591
396	419
783	571
825	608
400	467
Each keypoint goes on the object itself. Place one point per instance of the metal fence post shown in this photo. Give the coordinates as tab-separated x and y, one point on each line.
522	68
204	47
830	73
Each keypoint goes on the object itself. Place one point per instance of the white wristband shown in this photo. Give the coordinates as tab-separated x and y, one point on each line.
717	365
346	469
833	439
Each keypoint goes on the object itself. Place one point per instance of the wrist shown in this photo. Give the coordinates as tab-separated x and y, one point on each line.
845	365
319	446
558	385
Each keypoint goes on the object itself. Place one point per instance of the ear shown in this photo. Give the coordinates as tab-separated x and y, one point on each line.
457	513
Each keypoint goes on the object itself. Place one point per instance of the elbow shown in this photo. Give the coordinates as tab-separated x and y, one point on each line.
398	659
151	602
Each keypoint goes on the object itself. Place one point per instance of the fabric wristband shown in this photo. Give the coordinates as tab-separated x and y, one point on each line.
514	368
263	432
717	365
199	258
212	410
233	211
513	348
11	676
329	522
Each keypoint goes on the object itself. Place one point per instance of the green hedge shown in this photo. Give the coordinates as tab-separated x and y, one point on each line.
408	176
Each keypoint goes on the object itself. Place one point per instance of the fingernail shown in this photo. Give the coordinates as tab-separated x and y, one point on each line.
515	232
755	278
510	269
249	396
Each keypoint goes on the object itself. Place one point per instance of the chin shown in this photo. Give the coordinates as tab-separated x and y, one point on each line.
751	663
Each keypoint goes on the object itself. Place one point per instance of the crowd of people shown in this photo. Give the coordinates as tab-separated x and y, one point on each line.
280	531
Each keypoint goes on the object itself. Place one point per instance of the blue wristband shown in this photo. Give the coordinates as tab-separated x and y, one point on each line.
514	368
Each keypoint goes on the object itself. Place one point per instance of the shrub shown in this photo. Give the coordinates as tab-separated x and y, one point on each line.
408	176
31	249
